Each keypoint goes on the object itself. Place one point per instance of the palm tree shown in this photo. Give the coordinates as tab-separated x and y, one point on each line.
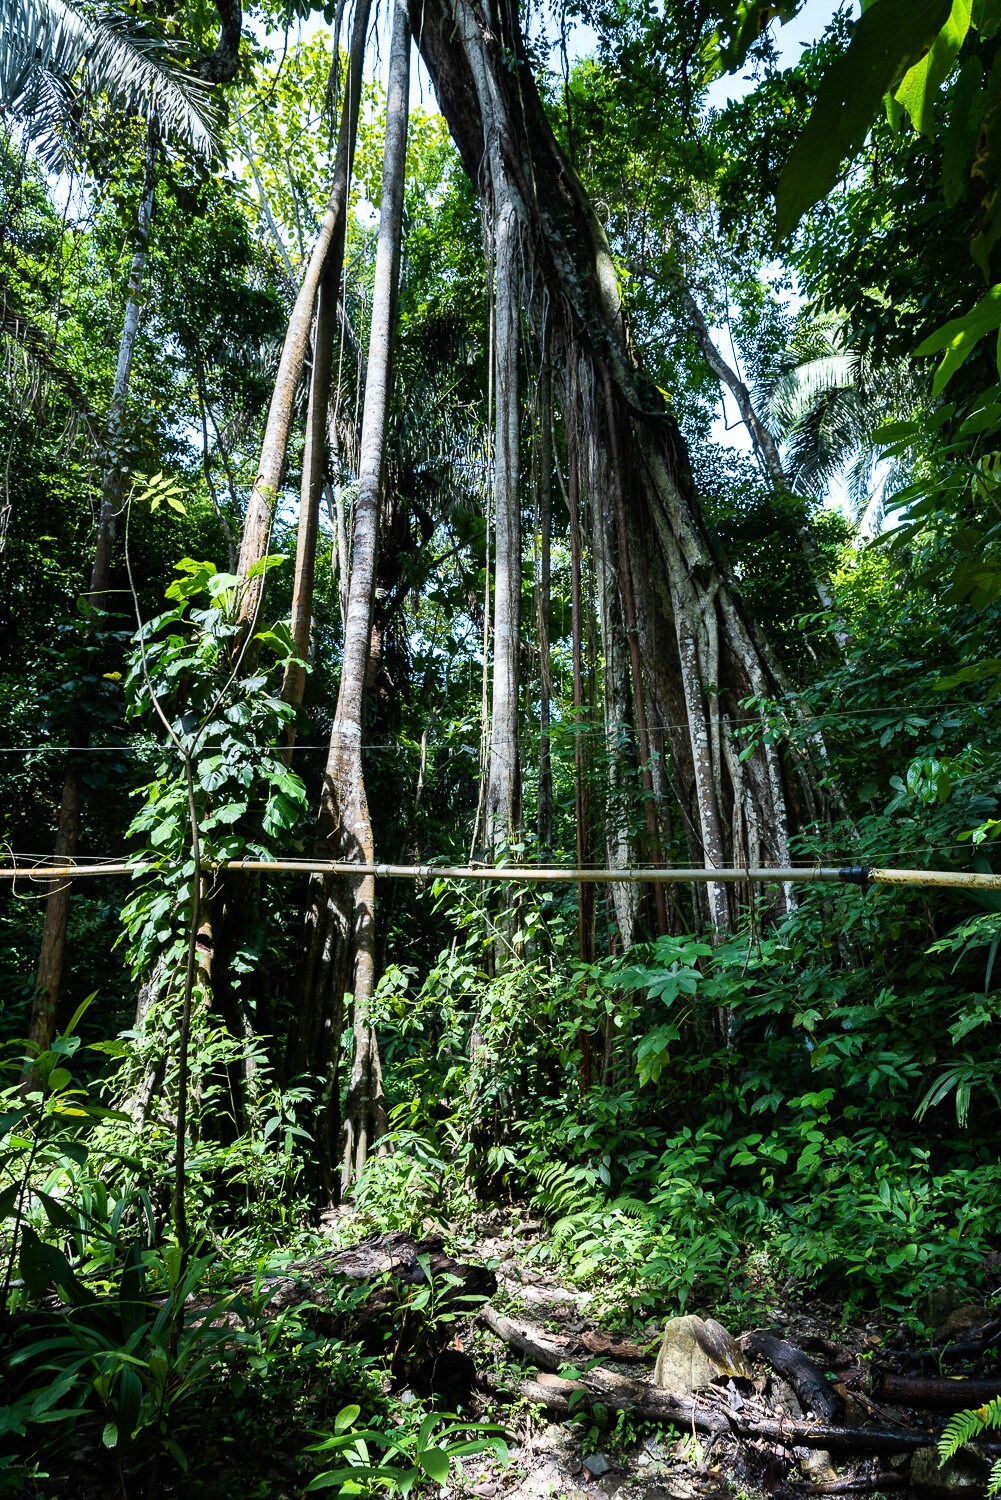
55	54
824	407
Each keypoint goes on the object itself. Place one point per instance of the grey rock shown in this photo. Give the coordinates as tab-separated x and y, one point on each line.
783	1399
671	1489
693	1353
963	1475
597	1465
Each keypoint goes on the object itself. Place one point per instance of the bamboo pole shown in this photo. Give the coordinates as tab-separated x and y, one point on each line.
862	875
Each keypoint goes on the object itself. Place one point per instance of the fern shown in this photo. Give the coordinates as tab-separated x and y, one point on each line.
965	1426
994	1479
632	1208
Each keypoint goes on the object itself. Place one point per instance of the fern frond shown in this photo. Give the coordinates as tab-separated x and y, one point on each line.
966	1425
632	1208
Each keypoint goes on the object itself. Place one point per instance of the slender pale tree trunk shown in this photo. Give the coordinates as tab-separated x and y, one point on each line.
52	953
543	464
582	812
313	472
503	801
620	845
278	428
341	914
768	456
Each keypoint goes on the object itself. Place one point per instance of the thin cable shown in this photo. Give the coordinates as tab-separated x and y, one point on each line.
571	729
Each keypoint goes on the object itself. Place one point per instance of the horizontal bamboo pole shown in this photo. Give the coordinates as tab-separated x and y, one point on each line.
535	875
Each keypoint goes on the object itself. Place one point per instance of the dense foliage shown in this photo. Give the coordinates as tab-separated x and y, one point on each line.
805	1099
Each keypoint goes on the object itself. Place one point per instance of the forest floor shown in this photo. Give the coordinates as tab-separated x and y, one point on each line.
247	1437
589	1454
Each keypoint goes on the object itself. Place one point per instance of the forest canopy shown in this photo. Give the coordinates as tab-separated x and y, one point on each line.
548	458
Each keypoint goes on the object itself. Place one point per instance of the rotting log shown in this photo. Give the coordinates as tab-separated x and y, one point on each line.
816	1394
930	1392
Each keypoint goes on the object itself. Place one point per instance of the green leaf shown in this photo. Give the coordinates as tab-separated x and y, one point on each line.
346	1417
77	1015
959	337
923	81
890	37
434	1462
43	1267
961	128
109	1437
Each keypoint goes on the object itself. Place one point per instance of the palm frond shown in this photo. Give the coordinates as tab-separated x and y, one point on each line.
54	53
795	392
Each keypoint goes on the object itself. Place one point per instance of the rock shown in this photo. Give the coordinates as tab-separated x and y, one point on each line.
816	1466
783	1399
597	1465
674	1488
939	1303
559	1442
693	1353
610	1484
963	1475
545	1481
960	1323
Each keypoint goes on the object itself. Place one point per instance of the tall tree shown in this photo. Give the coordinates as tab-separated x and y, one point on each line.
341	912
52	952
701	656
322	269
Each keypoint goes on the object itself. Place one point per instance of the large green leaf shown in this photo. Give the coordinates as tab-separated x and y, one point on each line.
957	339
923	81
890	37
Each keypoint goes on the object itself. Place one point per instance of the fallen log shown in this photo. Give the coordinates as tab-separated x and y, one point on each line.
619	1393
552	1350
930	1392
807	1379
387	1269
975	1345
890	1480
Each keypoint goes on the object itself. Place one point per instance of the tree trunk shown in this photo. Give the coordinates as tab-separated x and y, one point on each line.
318	415
543	464
767	453
341	914
313	475
503	800
264	495
585	892
52	952
700	654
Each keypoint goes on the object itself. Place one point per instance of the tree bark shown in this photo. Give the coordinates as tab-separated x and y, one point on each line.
543	464
341	914
700	652
816	1395
52	952
503	800
264	495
